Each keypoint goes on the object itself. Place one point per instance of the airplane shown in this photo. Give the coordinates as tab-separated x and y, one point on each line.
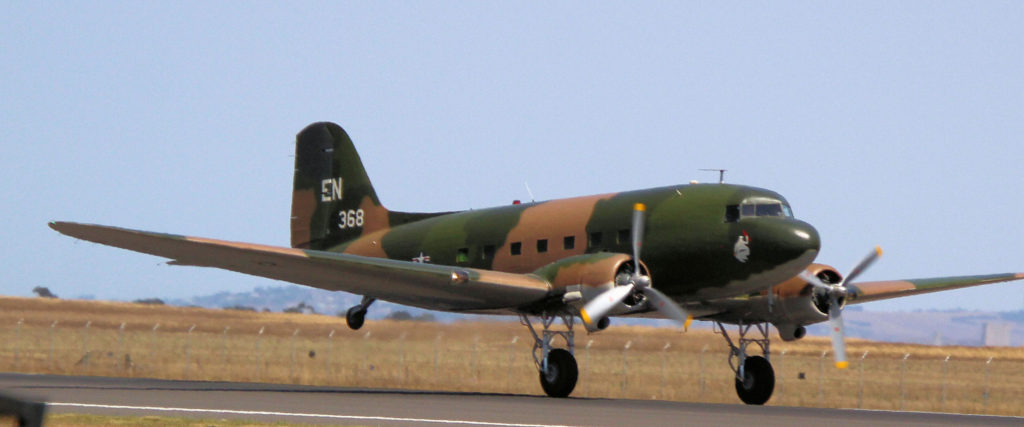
729	254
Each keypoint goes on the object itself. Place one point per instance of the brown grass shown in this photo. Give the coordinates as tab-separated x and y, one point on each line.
483	357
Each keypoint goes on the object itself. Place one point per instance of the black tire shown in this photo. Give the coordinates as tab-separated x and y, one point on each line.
562	373
355	317
758	383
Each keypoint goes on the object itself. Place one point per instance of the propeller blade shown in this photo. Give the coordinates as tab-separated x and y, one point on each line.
638	233
600	306
666	306
835	319
863	265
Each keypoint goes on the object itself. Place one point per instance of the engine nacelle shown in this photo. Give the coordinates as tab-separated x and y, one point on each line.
584	277
795	303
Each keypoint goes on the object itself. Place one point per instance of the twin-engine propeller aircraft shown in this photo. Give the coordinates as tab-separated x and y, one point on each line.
724	253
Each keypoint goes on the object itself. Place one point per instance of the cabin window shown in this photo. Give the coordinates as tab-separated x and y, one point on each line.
488	252
595	239
542	246
732	213
462	255
623	237
516	248
569	242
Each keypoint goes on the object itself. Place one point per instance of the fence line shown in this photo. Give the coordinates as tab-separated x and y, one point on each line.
642	368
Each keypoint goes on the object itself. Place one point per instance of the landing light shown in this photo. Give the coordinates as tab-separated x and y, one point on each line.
802	234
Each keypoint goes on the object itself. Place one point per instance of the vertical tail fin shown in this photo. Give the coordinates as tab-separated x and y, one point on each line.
332	200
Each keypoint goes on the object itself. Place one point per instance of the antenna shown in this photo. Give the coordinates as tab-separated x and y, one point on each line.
527	184
721	174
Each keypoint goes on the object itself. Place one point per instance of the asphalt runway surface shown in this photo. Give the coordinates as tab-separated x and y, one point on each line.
351	406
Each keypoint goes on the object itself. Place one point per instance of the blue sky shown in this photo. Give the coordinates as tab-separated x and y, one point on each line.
884	123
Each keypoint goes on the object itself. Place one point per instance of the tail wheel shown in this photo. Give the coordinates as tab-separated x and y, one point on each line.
758	381
355	317
561	375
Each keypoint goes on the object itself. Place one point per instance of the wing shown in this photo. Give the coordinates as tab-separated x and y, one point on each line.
430	286
874	291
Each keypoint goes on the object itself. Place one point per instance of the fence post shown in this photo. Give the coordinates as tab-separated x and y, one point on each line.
188	350
903	374
511	354
259	353
224	352
860	382
120	342
366	363
402	371
985	404
821	376
330	365
291	363
702	383
586	366
778	374
49	356
472	363
152	345
85	344
625	372
17	342
944	366
664	351
437	345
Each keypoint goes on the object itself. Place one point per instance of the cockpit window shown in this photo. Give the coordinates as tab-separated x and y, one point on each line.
774	209
757	209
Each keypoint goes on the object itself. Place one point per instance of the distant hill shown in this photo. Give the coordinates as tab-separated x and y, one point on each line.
278	298
918	327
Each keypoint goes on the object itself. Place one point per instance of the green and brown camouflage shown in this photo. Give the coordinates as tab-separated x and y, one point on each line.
727	253
692	242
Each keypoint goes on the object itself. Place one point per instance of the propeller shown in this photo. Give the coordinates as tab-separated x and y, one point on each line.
836	292
599	307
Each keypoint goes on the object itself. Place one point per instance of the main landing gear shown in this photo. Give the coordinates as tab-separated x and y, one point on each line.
755	378
357	314
557	366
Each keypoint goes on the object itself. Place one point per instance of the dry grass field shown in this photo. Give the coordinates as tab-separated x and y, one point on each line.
123	339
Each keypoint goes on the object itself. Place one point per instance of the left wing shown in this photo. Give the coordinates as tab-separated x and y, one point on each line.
874	291
429	286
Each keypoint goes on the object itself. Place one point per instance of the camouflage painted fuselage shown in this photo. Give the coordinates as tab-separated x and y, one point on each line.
700	241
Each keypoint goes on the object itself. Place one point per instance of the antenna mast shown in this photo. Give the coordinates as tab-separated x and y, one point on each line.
721	174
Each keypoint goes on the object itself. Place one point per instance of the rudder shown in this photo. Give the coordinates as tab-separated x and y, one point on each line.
333	200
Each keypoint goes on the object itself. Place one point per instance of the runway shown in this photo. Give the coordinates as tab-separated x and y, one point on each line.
349	406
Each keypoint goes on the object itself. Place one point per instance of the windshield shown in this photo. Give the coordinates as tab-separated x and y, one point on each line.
757	209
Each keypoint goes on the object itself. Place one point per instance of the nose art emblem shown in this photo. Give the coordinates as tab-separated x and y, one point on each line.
741	250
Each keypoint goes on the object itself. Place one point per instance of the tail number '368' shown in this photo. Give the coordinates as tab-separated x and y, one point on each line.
350	219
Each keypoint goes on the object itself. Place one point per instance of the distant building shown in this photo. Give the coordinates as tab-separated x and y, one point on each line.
996	334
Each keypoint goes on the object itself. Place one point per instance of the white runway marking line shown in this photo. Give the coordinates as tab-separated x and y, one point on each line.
291	414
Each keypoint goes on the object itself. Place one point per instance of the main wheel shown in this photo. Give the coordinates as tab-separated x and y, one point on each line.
758	381
355	317
562	372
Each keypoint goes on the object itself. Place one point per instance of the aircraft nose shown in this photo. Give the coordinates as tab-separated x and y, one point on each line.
804	237
791	239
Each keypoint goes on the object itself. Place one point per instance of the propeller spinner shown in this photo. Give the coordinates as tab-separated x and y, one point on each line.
835	294
599	307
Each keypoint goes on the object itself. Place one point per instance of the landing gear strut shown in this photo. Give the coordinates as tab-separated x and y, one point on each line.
755	378
357	314
557	367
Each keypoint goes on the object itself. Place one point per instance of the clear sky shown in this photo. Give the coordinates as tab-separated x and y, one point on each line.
897	124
